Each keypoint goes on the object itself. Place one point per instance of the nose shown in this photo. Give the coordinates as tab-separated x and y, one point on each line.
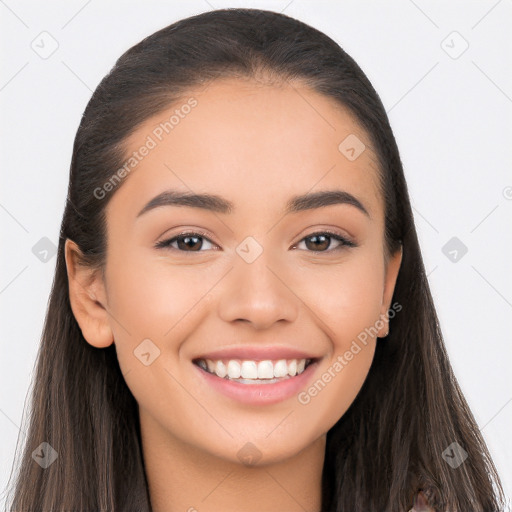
257	293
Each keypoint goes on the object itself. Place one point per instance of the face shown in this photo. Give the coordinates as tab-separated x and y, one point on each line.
251	276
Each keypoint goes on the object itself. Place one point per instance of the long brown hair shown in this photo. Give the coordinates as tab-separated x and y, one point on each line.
390	443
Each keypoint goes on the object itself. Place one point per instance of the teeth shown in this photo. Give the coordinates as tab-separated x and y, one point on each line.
254	370
280	368
234	370
265	370
249	370
220	369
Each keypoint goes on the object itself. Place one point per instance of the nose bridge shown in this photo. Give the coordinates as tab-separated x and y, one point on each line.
255	291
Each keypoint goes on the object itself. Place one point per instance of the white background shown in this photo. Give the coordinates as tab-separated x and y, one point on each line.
452	118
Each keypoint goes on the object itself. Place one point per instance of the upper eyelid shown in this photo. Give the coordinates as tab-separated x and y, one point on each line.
331	232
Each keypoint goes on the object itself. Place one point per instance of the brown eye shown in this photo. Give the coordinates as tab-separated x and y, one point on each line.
185	242
189	242
321	242
318	242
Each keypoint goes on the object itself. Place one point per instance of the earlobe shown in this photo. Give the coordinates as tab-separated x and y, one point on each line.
392	269
88	298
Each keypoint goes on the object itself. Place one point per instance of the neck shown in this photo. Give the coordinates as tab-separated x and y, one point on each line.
183	478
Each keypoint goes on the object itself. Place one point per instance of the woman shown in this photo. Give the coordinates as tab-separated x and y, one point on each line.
240	317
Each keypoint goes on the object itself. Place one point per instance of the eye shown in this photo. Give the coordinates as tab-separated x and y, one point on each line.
321	241
194	242
186	242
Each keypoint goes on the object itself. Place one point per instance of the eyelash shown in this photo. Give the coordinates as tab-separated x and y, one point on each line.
344	242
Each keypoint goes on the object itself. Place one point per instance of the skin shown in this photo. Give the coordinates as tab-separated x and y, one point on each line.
256	145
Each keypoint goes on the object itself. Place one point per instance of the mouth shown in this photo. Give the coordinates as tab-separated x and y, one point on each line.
257	382
252	372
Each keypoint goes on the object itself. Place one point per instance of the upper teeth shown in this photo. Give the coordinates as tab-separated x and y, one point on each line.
235	368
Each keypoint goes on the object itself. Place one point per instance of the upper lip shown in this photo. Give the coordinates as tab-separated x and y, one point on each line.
256	353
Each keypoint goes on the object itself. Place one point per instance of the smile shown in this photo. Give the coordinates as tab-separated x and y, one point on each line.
250	372
257	382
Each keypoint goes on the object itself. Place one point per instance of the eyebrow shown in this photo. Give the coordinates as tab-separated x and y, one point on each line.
218	204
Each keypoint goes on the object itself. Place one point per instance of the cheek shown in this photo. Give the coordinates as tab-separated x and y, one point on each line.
144	282
336	385
149	298
345	297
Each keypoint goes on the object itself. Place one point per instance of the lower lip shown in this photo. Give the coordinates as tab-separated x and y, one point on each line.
259	394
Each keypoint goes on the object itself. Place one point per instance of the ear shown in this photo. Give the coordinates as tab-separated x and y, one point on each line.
88	298
392	268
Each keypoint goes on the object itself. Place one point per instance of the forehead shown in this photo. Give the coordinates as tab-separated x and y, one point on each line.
255	144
